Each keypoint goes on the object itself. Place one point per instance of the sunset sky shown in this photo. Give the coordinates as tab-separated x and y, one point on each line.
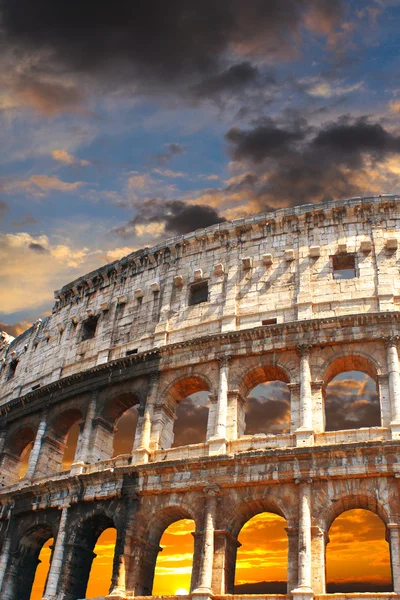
133	122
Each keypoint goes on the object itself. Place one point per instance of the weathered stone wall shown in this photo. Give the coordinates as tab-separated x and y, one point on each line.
141	301
315	328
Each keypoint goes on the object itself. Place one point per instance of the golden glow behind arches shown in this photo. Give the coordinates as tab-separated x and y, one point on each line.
42	571
101	571
174	563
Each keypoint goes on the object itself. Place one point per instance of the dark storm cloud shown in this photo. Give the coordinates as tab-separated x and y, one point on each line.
233	79
351	403
298	164
178	216
160	44
3	209
38	248
268	409
172	150
191	424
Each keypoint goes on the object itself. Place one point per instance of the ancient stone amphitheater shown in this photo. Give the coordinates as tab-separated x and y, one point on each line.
296	296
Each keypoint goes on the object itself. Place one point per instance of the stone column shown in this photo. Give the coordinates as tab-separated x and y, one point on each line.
142	452
236	421
225	551
304	433
82	456
57	557
5	551
293	557
217	444
37	446
393	535
394	385
319	540
207	551
304	590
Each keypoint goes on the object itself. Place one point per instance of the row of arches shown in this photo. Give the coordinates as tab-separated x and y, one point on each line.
350	401
357	557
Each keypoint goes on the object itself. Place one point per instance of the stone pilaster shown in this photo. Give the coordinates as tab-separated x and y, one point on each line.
293	557
6	549
319	539
236	421
142	451
57	557
393	535
83	457
225	550
217	443
304	433
394	384
37	446
207	550
303	591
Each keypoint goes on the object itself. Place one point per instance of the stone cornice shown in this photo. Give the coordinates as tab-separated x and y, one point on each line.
289	220
281	336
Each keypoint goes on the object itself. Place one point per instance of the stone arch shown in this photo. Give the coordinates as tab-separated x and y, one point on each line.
183	421
18	440
352	501
245	510
347	362
251	414
55	441
27	560
80	555
155	527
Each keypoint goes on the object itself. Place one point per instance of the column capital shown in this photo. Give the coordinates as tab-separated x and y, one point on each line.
391	340
211	490
304	349
294	387
224	360
317	384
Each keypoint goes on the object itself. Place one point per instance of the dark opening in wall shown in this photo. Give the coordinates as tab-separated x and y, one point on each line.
344	266
89	328
12	368
269	321
198	293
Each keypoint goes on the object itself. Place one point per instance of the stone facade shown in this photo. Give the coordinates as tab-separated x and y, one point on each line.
133	334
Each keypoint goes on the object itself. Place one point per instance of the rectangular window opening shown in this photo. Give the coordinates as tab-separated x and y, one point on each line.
269	321
344	266
130	352
12	368
89	328
198	293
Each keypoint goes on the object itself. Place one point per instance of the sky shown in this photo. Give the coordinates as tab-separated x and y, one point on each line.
134	122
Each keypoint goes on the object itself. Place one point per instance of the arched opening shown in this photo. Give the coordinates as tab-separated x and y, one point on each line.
16	457
351	399
189	399
88	563
71	445
268	408
125	430
42	571
173	570
31	575
102	566
358	555
190	426
60	443
267	402
262	558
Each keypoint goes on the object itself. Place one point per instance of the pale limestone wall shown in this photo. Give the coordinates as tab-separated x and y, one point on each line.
297	285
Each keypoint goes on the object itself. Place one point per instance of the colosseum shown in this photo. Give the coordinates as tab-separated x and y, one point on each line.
297	297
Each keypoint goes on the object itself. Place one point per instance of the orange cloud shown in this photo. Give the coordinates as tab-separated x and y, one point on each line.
174	563
66	158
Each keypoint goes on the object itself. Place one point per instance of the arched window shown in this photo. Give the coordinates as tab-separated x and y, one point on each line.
15	460
89	558
190	426
102	566
42	571
358	556
262	559
267	402
189	400
31	565
125	432
268	408
173	570
351	400
60	443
